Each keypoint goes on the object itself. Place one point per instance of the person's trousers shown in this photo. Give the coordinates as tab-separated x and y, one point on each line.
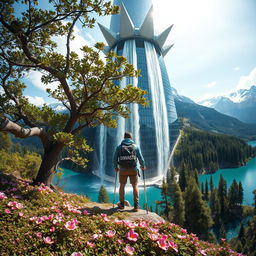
133	176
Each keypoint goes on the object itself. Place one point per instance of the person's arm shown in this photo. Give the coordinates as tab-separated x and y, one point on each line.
141	159
115	159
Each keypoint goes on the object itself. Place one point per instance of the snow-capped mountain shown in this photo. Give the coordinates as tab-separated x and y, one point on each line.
240	104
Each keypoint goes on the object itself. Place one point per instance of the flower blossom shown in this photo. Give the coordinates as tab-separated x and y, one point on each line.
85	212
48	240
2	196
90	244
110	233
129	249
132	236
153	236
76	254
163	244
130	224
39	234
7	211
143	224
71	225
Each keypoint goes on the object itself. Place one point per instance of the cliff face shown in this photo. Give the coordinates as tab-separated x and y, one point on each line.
37	221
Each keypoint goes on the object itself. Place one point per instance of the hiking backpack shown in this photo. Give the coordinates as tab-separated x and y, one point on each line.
127	156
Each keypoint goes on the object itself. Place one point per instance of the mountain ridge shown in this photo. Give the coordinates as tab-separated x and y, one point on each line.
240	104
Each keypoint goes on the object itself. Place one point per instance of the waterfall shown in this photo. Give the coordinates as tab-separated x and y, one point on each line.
159	107
102	153
129	52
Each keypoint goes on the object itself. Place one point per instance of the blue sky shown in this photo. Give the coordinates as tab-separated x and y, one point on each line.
214	49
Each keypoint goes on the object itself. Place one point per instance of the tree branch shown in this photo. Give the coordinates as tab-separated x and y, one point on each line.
68	42
20	132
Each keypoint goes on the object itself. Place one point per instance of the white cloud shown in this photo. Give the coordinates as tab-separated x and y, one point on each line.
35	79
236	68
38	101
75	45
211	84
245	82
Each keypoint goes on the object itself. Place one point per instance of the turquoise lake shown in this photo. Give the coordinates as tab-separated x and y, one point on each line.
89	185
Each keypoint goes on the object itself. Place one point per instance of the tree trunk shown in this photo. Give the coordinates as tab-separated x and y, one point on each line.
47	168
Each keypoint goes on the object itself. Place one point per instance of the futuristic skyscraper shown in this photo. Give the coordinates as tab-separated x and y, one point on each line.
154	128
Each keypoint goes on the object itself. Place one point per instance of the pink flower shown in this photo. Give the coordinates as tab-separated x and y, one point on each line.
203	252
129	249
120	241
85	212
71	225
76	254
181	237
7	211
19	206
173	246
39	234
110	233
52	229
95	236
106	219
143	224
163	244
48	240
21	214
90	244
103	215
130	224
33	218
153	230
153	236
132	236
117	221
2	196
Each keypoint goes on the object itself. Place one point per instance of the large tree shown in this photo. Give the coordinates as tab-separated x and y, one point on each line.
87	85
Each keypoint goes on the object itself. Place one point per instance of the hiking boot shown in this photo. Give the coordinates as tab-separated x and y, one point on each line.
120	205
136	208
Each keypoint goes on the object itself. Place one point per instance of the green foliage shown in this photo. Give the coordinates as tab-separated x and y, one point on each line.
222	151
87	86
197	215
24	165
29	215
5	141
103	195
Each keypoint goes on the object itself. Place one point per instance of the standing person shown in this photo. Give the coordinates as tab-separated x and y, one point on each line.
125	162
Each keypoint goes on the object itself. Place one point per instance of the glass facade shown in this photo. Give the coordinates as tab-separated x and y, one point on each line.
137	10
158	123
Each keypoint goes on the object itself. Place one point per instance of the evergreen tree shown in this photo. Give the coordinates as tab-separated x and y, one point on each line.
197	215
178	205
183	178
196	178
240	193
206	191
222	231
241	234
254	198
222	194
165	203
103	195
202	189
211	184
215	207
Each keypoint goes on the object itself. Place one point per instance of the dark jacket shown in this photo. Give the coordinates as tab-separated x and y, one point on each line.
138	154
